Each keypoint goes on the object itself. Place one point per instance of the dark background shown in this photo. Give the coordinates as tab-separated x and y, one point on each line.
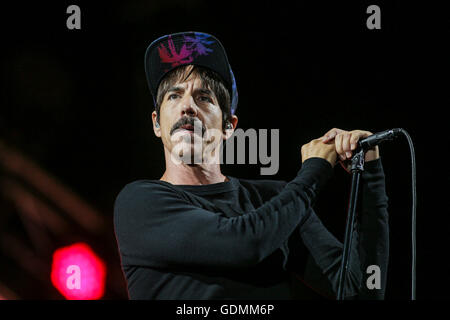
76	103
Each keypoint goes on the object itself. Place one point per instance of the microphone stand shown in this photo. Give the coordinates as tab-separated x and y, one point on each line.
356	170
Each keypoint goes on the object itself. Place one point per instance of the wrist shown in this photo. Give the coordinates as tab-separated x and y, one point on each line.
372	154
315	172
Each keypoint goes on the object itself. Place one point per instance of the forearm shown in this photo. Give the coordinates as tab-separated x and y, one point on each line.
268	227
323	260
369	245
173	231
374	228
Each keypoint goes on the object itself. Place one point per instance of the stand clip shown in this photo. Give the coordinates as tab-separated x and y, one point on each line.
358	161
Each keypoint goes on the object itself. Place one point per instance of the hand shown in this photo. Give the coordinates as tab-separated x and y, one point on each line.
317	148
347	141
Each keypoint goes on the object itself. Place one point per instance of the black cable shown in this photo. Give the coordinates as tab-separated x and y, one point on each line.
413	221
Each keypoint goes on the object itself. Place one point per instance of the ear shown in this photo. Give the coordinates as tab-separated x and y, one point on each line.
229	131
156	126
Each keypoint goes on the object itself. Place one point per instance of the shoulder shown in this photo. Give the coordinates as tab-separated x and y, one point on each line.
145	195
149	188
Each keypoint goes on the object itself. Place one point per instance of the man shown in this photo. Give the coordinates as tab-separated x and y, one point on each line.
198	234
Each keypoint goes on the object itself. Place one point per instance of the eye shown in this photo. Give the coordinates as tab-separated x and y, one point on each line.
172	96
205	99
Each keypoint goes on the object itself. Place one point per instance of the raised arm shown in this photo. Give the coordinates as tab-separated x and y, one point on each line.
156	226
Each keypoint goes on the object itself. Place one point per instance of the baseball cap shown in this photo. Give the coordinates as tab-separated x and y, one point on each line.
197	48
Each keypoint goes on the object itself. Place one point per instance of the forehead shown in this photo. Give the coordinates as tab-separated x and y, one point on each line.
194	80
187	76
184	74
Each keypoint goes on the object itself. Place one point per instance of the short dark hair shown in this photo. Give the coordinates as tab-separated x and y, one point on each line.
208	77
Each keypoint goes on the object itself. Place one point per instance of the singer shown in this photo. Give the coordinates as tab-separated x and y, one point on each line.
198	234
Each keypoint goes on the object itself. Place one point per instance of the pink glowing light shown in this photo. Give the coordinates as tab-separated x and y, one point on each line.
78	273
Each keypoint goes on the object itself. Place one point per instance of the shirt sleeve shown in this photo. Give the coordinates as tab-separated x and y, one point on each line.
156	226
370	243
374	230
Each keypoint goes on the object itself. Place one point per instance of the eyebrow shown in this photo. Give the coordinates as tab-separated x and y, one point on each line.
181	89
205	91
176	88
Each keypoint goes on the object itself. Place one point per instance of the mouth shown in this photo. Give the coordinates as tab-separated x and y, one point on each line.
190	129
185	130
187	127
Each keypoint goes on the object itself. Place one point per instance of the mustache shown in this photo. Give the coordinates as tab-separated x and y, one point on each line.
188	120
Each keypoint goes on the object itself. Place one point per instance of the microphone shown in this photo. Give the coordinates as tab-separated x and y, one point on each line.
379	137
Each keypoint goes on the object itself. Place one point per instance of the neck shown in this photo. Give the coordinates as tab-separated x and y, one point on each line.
192	174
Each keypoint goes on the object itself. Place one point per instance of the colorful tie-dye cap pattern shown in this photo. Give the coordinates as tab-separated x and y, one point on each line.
197	48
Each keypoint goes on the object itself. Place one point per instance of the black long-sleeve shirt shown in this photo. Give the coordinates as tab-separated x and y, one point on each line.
244	239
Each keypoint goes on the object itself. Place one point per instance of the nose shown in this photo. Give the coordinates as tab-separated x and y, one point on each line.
189	108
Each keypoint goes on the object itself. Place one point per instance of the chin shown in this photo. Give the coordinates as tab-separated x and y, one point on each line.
188	153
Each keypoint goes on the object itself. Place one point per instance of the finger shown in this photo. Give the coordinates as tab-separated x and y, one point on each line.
331	134
357	135
361	133
364	134
354	138
346	145
338	144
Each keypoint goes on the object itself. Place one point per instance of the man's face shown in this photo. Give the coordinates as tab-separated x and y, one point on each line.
190	120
